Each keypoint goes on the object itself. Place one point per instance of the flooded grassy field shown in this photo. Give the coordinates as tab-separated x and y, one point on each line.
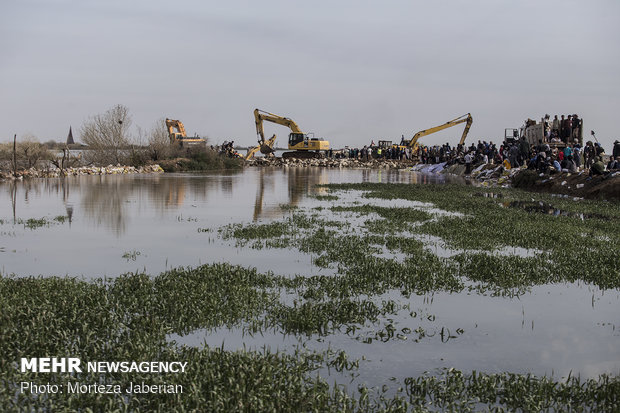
313	289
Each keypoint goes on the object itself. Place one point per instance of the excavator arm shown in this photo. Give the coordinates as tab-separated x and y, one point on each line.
261	115
171	125
465	118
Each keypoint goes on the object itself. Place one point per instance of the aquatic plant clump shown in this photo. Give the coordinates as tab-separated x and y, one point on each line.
455	391
583	245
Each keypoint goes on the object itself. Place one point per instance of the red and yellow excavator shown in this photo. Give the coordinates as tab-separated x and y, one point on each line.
301	144
176	132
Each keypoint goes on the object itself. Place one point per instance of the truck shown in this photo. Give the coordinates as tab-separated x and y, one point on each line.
541	132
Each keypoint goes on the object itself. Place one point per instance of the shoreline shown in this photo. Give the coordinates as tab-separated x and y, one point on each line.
80	171
578	184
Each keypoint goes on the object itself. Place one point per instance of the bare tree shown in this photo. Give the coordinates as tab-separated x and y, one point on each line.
159	141
24	154
30	151
6	156
107	136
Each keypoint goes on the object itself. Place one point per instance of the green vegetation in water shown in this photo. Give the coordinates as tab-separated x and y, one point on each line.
325	197
131	255
36	223
455	391
288	207
562	249
33	223
130	317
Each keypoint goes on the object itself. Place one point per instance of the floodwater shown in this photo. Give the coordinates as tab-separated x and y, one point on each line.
103	226
124	223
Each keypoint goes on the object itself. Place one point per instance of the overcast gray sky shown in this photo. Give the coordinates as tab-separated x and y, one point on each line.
349	71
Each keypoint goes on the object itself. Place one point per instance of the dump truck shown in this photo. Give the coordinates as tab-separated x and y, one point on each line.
537	132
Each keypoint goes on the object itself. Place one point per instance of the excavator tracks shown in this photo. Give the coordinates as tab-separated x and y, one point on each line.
302	155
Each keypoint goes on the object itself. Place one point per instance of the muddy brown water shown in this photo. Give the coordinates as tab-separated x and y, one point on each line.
116	224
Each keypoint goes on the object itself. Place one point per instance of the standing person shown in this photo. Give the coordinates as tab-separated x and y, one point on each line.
588	154
616	150
576	126
564	129
468	161
546	127
513	156
524	149
555	126
577	154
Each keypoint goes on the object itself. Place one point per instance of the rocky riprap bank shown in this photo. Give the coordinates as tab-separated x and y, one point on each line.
83	170
577	184
331	163
487	174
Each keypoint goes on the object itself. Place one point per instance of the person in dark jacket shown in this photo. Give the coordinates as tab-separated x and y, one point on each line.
616	150
598	167
524	149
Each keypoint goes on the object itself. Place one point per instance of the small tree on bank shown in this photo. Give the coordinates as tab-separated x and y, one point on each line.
159	146
29	153
107	136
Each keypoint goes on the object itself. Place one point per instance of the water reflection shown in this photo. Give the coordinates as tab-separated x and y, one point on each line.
108	200
301	183
158	215
13	189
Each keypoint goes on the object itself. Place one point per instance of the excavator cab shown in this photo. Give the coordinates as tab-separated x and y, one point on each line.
297	138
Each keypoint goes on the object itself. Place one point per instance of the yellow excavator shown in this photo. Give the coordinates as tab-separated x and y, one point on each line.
413	143
176	132
302	145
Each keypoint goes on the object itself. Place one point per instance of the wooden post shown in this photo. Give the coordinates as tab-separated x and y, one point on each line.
15	155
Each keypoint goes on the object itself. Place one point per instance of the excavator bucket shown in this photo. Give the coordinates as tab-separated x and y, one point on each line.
265	149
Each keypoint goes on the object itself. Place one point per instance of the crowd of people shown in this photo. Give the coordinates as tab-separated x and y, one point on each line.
568	157
542	157
373	151
565	129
